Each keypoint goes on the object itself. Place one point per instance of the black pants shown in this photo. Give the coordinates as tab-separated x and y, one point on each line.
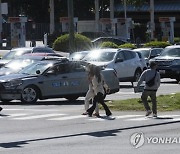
99	98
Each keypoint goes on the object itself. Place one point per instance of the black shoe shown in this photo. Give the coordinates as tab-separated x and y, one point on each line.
109	114
1	108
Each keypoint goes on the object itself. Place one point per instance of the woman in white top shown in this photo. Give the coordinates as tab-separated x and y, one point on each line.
90	93
98	85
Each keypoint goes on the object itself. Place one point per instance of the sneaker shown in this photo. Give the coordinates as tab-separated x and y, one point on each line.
155	115
1	108
96	115
85	113
110	114
148	112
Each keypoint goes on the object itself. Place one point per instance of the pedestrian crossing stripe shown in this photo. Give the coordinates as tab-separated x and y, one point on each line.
38	116
63	116
68	118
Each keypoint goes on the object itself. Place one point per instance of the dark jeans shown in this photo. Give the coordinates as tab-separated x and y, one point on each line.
99	98
152	95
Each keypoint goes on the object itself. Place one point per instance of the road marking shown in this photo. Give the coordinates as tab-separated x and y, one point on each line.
38	116
137	119
17	115
68	118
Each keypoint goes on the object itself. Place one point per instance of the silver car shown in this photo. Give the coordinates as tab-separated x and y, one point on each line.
51	79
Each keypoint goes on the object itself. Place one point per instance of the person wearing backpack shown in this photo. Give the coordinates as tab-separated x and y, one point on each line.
152	82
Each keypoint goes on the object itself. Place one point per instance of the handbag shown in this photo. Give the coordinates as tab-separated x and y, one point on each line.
151	82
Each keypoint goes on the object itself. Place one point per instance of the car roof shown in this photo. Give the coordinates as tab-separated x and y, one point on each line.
42	54
173	46
30	48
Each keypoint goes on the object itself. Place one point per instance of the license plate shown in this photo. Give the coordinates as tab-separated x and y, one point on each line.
162	71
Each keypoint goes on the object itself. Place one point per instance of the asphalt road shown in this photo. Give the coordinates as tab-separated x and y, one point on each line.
60	129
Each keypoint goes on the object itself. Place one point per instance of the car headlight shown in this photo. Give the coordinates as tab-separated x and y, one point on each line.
12	83
176	62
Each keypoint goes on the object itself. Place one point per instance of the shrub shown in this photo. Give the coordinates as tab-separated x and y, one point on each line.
108	45
157	44
127	45
177	40
81	43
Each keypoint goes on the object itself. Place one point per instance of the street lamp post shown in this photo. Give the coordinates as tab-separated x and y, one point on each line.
0	25
71	25
152	25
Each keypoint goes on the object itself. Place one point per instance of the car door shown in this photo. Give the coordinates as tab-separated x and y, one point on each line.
54	81
63	80
120	65
131	62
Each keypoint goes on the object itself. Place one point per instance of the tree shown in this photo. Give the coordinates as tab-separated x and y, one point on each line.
137	3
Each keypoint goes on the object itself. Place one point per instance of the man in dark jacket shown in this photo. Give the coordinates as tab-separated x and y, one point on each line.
150	90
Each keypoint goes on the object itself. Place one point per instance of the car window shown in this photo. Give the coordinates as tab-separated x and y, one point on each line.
77	67
42	50
120	55
13	53
175	52
129	55
100	56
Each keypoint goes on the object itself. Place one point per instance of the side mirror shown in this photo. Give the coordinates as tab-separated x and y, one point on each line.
118	60
38	72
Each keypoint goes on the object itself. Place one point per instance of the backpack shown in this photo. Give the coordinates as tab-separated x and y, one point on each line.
151	82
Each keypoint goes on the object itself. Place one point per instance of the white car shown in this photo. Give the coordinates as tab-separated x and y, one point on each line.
125	62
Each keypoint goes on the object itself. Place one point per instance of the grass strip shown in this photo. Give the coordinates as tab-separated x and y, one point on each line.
169	102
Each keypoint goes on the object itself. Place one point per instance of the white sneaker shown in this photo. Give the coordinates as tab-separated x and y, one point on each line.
148	112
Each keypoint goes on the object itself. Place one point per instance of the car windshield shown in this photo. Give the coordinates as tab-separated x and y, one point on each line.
173	52
145	53
100	56
14	53
77	56
19	63
31	69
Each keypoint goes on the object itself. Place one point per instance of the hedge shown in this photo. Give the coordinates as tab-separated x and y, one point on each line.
157	44
108	44
127	45
81	43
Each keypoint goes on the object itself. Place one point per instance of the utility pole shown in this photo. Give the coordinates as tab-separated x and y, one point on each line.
51	5
71	26
152	19
0	25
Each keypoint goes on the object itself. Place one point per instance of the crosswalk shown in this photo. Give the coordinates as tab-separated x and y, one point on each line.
25	114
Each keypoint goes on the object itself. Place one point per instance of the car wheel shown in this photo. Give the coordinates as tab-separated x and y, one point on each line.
29	95
137	75
71	98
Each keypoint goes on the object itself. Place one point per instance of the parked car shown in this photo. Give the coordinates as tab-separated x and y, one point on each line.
75	56
169	62
125	62
20	62
149	53
51	79
142	60
13	53
96	42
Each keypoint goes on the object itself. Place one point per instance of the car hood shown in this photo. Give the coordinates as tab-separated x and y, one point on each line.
165	58
15	76
2	62
6	71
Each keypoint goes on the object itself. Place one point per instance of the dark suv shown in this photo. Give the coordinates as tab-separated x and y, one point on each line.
169	62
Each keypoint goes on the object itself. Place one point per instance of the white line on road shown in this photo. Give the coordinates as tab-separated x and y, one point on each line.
39	116
68	118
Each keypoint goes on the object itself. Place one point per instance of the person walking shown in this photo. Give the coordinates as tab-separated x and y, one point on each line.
98	88
152	83
90	93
